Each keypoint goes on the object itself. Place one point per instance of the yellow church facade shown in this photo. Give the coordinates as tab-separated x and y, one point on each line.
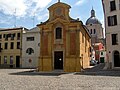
64	42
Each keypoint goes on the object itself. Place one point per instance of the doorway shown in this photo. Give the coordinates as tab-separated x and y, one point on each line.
58	60
17	61
116	59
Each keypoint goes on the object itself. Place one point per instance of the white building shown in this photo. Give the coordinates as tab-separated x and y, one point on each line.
112	24
30	48
102	55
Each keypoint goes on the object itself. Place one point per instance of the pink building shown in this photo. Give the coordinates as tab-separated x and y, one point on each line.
99	51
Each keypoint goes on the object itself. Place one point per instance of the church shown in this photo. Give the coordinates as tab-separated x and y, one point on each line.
64	42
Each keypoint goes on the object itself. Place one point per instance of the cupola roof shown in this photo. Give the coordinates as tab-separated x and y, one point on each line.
92	19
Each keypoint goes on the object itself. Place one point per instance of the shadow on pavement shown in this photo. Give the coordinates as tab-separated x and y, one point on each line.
115	73
95	71
99	71
34	73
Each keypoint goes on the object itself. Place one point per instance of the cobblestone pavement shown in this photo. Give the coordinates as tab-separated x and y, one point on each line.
24	79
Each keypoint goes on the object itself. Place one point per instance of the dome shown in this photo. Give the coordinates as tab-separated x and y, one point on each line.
92	19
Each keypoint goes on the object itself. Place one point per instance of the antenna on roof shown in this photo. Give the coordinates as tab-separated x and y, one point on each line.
33	19
15	18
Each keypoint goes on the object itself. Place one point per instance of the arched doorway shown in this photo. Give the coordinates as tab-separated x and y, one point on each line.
116	59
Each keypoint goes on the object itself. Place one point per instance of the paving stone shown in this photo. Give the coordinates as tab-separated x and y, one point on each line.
12	79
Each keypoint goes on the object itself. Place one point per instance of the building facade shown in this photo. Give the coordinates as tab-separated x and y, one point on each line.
112	26
64	42
30	48
98	47
96	30
11	47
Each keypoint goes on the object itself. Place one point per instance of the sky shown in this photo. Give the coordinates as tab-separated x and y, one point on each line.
29	13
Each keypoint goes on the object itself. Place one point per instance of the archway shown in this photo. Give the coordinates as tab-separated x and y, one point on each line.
116	59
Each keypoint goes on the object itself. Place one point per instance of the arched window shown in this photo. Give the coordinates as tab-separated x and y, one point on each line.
29	51
58	33
116	59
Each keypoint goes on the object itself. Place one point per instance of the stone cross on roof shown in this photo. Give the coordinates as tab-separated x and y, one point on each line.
58	0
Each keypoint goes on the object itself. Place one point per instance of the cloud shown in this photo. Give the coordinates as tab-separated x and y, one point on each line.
44	16
35	6
80	2
20	8
6	21
9	6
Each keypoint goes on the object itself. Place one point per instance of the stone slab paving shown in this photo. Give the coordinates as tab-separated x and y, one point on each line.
22	79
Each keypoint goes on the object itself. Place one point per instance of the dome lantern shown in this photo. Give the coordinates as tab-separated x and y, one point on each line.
92	13
92	19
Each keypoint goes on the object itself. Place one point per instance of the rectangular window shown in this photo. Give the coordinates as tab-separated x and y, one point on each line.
94	31
12	36
119	4
12	45
91	31
30	38
0	47
112	20
0	36
114	39
5	36
101	53
18	45
0	60
58	33
6	45
11	59
9	35
5	59
18	36
112	5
